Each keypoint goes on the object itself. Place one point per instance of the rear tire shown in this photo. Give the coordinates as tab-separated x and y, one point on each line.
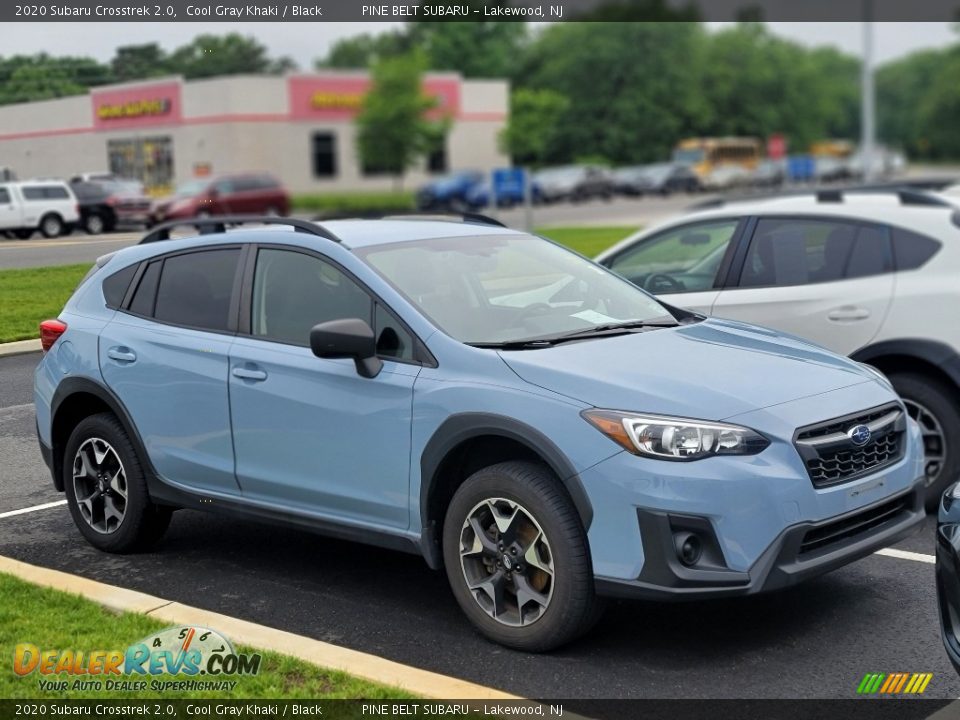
517	560
51	225
933	405
106	488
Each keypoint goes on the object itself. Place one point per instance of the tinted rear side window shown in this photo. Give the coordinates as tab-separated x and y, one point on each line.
911	250
195	289
4	196
45	192
142	303
115	286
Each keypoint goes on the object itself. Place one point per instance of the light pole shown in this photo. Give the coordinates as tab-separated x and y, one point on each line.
867	98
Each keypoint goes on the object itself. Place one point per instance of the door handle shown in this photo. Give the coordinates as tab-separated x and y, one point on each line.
249	374
848	314
122	354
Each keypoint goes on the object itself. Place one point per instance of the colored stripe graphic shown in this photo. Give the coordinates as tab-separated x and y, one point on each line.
894	683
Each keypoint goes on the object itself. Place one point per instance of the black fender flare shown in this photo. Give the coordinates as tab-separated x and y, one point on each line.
935	353
74	385
464	426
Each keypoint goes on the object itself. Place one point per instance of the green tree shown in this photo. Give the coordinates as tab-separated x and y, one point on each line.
532	129
362	51
38	82
632	88
393	131
133	62
232	54
487	49
905	112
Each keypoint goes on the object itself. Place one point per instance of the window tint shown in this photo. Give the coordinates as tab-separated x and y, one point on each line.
115	286
799	251
684	259
912	250
56	192
44	192
90	192
292	292
324	155
142	302
224	186
267	182
32	192
246	183
4	196
195	289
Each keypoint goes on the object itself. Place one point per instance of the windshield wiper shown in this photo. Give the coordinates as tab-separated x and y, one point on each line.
617	327
550	340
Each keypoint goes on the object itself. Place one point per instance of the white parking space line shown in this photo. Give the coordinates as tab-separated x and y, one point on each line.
24	511
906	555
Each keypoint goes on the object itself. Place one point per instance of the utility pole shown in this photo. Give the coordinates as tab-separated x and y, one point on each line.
867	97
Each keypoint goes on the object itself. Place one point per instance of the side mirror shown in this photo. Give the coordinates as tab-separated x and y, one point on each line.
349	338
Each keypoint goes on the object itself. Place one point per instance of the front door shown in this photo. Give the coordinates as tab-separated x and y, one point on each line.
311	434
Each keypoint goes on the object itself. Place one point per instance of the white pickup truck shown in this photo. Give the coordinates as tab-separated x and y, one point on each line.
45	205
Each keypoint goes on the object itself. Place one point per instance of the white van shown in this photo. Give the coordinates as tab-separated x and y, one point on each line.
45	205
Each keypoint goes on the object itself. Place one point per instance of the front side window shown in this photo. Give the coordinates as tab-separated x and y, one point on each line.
801	251
292	292
4	196
195	289
499	289
684	259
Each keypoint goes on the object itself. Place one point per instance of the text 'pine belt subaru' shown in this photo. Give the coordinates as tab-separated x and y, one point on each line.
515	413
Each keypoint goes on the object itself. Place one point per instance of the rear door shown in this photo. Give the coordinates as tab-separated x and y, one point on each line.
685	264
165	355
829	280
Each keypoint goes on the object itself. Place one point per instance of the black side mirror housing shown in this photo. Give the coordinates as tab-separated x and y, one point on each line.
348	338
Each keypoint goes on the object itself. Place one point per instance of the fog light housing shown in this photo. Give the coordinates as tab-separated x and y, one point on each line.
688	546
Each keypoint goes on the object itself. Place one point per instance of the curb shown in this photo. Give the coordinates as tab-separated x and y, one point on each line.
19	348
369	667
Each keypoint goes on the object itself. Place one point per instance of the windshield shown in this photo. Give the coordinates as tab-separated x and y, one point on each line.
688	157
191	188
509	288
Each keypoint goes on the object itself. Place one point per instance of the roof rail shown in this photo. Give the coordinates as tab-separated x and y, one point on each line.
908	195
465	217
219	224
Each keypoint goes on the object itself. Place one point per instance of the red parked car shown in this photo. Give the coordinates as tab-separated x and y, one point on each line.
240	194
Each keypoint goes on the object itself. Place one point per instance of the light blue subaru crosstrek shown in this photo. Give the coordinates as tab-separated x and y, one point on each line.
515	413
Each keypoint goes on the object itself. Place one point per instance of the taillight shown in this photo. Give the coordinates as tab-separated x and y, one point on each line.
50	332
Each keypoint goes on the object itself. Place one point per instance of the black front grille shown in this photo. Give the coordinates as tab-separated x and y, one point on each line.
832	458
834	467
826	536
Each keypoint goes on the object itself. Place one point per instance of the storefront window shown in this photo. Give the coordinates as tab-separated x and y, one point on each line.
437	159
324	155
149	160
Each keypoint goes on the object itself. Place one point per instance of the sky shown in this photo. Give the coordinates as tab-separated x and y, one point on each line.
306	41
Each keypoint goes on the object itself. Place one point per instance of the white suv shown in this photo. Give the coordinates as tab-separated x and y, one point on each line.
45	205
873	275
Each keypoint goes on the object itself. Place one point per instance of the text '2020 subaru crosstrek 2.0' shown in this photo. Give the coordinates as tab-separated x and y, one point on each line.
528	420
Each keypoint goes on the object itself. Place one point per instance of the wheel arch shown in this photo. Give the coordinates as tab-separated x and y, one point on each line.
467	442
77	398
927	357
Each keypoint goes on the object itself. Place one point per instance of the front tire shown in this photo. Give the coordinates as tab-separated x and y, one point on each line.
106	488
932	404
516	558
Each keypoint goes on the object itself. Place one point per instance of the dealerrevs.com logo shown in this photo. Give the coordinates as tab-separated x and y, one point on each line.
186	651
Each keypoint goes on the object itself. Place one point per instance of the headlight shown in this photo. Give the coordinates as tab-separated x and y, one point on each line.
671	438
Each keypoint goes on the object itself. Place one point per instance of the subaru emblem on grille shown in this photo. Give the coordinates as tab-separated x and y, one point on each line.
859	435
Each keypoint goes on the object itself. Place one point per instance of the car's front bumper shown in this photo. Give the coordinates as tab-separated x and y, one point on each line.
751	514
787	561
948	574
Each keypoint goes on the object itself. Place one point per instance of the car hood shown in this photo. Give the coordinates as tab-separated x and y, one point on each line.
710	370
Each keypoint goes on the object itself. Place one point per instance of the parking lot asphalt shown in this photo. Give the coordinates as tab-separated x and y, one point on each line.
82	248
813	641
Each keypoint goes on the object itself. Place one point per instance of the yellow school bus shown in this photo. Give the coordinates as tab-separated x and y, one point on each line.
704	155
832	148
